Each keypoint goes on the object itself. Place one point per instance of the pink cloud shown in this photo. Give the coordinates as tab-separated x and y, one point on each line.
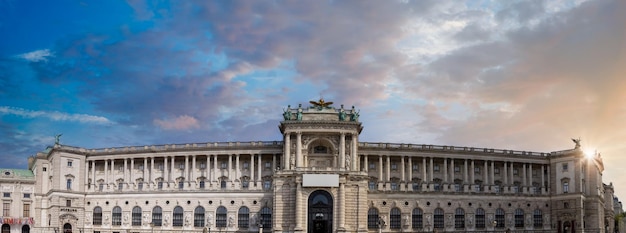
183	122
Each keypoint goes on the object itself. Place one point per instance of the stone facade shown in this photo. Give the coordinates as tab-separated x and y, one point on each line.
320	178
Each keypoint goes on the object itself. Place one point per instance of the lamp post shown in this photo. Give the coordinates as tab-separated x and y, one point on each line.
494	223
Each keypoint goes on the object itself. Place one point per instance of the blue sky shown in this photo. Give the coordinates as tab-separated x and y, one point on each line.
522	75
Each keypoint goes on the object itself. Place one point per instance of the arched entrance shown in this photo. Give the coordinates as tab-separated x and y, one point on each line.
25	229
6	228
320	216
67	228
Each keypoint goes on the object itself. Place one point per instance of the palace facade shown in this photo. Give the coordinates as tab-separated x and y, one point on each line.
320	178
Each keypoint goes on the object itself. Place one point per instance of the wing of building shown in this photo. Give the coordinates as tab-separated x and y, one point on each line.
320	178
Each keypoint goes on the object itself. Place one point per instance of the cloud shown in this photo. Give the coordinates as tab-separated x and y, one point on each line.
54	115
37	55
183	122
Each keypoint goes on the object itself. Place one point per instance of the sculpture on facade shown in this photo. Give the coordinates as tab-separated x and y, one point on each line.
321	104
576	142
57	138
299	113
342	115
355	115
287	113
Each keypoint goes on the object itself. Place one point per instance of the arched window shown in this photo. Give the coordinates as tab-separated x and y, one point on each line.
97	216
480	218
157	216
266	217
198	217
438	218
243	217
223	184
395	218
177	216
459	218
25	229
136	216
6	228
519	218
116	216
418	218
372	218
499	218
537	219
220	216
67	228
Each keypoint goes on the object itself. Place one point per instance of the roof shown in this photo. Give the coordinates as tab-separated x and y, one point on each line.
16	173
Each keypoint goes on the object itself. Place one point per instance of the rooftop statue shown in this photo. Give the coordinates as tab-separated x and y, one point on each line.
577	142
287	113
355	115
342	114
57	138
321	104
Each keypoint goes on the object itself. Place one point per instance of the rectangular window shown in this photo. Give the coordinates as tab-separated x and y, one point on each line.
101	187
372	185
477	170
6	195
181	166
26	211
68	203
372	166
565	187
268	165
160	185
26	195
69	184
496	170
160	166
394	186
140	186
181	185
224	165
6	209
564	167
202	165
245	184
457	169
140	167
69	163
246	165
436	167
515	172
45	169
416	167
457	187
120	186
267	185
394	166
496	189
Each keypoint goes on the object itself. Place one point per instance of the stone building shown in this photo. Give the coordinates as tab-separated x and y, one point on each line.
17	187
319	178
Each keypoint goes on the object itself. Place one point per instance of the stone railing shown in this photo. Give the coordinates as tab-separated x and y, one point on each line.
167	147
423	147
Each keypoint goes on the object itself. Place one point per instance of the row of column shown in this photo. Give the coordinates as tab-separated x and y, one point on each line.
347	160
469	174
168	172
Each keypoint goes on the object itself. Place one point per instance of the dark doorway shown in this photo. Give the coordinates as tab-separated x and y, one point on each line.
25	229
320	217
6	228
67	228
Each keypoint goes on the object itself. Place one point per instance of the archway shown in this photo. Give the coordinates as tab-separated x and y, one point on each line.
6	228
320	216
67	228
567	227
25	229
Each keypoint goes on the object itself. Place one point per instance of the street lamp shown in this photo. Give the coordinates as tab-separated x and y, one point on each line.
494	224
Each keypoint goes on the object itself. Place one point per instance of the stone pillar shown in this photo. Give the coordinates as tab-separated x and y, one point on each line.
410	178
112	179
299	161
402	170
237	168
106	171
126	171
151	176
530	174
132	169
445	171
342	206
274	162
430	172
287	150
260	168
387	169
511	175
486	173
299	207
145	168
548	178
542	178
424	178
93	172
505	174
215	168
465	173
380	168
452	169
186	170
230	168
172	166
473	171
367	164
165	173
524	175
207	170
355	157
342	150
492	174
252	178
192	177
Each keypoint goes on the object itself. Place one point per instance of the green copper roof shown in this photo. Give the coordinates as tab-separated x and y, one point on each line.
23	173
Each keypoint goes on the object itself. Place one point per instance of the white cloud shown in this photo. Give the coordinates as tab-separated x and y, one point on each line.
55	115
180	123
37	55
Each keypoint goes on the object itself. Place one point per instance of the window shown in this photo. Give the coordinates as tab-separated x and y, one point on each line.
496	170
537	219
246	165
394	166
418	218
69	163
198	217
68	203
480	218
499	218
372	218
202	185
45	169
157	216
6	209
181	166
565	186
243	217
519	218
224	165
202	165
535	173
436	168
416	167
116	216
515	172
220	217
101	187
564	167
160	185
69	184
181	185
245	183
177	216
97	216
372	166
6	195
394	186
223	184
457	169
459	218
266	218
477	170
140	186
372	185
395	218
438	218
160	166
26	210
457	187
26	195
268	165
136	218
267	184
140	167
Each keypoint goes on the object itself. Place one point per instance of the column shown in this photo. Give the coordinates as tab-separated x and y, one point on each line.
465	173
543	178
472	172
492	174
504	174
230	167
445	171
524	175
215	168
511	175
424	170
355	156
452	169
388	168
299	149
259	169
299	207
342	150
485	173
287	149
112	171
380	168
193	168
252	168
274	162
410	178
132	167
367	164
207	170
165	173
126	179
342	206
151	172
172	166
93	173
87	172
548	187
237	168
430	172
186	169
106	172
530	174
145	169
402	170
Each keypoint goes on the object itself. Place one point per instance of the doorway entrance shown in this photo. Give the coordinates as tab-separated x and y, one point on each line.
320	216
67	228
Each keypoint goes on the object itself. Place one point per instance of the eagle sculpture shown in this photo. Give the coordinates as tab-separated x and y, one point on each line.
321	103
